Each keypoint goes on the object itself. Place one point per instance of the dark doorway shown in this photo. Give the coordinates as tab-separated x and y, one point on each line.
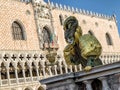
82	86
97	84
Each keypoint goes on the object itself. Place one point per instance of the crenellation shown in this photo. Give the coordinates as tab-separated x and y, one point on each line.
65	8
61	7
73	10
52	4
76	10
91	13
87	12
69	9
99	15
56	5
81	11
96	14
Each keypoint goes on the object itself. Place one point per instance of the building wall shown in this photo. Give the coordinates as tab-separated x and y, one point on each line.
10	11
104	26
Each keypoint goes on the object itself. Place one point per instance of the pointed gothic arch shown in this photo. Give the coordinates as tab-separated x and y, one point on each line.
96	84
28	88
47	35
18	31
61	19
108	39
41	88
12	70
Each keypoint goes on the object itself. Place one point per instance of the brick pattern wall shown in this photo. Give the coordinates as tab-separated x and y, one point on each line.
104	26
10	11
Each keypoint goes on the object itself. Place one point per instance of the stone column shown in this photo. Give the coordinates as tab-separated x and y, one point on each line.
0	76
105	85
61	72
55	69
43	69
23	71
16	75
71	68
80	67
37	72
30	69
66	69
49	68
75	68
8	75
88	84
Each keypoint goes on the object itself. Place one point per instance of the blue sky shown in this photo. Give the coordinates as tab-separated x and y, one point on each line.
107	7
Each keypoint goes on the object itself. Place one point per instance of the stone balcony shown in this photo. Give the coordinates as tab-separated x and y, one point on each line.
105	77
23	67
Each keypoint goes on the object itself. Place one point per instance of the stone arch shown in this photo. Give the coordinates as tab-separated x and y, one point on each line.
40	88
96	84
108	39
34	69
27	71
47	34
12	70
20	73
40	69
3	71
28	88
21	27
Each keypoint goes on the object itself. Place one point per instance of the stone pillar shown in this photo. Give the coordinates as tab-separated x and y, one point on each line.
49	68
37	72
80	67
71	68
55	69
66	69
23	71
75	68
88	84
43	69
61	72
30	69
105	85
8	75
16	75
0	76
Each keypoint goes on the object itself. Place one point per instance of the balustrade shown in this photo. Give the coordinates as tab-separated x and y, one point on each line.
4	82
21	80
13	81
42	71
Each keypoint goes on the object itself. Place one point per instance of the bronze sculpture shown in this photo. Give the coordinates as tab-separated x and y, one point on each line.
81	49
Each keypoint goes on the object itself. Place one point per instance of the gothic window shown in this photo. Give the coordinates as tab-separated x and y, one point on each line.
84	22
17	30
90	32
96	24
61	19
46	35
108	39
110	26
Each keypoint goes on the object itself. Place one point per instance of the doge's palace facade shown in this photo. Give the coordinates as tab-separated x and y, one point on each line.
32	39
